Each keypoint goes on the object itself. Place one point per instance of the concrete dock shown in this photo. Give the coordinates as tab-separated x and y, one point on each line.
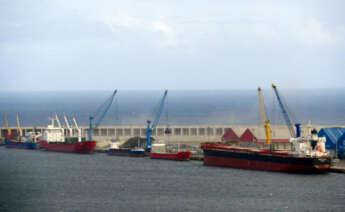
338	166
191	135
184	134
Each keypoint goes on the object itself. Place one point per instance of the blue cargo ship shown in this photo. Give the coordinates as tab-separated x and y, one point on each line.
22	145
14	144
18	140
32	145
30	141
135	152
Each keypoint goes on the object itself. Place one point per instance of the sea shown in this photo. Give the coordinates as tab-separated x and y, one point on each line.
182	107
34	180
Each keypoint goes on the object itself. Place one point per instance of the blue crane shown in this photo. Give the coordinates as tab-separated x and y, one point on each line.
150	127
286	115
100	114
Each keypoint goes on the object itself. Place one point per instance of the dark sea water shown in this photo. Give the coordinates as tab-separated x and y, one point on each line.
49	181
209	107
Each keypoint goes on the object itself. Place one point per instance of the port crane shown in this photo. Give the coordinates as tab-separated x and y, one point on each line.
265	121
9	131
287	119
100	114
150	127
19	127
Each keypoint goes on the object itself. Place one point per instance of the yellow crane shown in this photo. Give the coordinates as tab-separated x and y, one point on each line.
9	131
264	119
19	127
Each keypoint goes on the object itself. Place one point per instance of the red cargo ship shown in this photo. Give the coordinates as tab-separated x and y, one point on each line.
225	155
184	156
78	147
54	139
159	152
307	154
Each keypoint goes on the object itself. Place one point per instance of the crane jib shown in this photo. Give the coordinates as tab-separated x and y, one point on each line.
103	109
284	112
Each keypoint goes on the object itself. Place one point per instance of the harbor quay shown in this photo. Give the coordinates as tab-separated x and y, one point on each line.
187	136
179	134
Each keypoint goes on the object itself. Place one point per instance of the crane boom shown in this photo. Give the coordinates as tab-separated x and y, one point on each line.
58	120
59	124
9	131
67	124
284	112
262	107
19	127
160	110
75	123
264	119
150	127
102	110
77	127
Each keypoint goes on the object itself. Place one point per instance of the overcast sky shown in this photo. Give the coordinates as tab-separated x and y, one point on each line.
194	44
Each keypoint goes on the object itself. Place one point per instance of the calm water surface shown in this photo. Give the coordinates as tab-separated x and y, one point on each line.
49	181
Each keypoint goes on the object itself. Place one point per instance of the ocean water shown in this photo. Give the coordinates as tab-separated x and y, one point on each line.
49	181
208	107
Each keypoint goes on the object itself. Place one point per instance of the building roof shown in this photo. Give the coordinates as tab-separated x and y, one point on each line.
279	135
248	136
230	135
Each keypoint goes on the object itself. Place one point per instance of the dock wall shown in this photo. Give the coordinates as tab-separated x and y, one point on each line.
179	133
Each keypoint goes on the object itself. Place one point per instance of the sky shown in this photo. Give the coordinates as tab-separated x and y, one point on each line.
60	45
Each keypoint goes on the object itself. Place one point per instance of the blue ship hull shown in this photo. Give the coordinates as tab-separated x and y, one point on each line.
22	145
32	145
126	152
12	144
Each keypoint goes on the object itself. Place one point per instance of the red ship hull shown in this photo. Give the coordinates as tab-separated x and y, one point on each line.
85	147
183	156
265	160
